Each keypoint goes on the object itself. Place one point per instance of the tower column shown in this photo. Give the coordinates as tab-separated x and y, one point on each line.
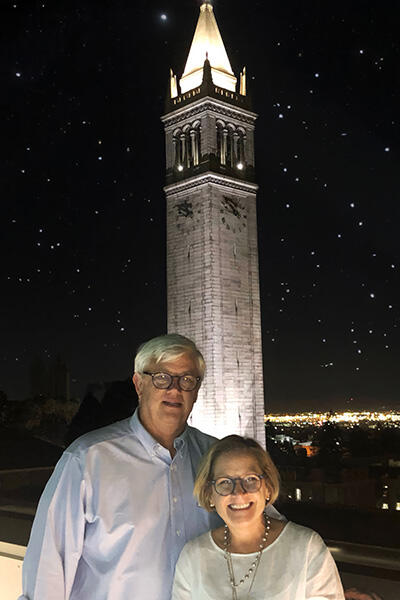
175	153
224	146
235	153
194	147
182	149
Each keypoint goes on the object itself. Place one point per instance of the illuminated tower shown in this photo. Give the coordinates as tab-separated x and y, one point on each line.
212	256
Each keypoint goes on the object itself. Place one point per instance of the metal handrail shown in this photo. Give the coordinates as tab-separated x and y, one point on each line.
362	554
13	551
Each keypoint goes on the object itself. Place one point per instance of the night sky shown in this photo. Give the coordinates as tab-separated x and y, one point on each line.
82	229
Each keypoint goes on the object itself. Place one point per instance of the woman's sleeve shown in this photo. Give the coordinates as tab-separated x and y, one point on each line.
181	589
323	580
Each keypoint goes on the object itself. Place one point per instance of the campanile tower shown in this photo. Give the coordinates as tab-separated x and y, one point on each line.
212	255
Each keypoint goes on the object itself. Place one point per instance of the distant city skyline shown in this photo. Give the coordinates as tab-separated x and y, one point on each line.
352	418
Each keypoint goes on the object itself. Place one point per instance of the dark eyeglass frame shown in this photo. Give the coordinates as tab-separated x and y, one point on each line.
233	481
172	377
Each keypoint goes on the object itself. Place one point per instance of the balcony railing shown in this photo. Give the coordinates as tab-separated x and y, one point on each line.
11	557
362	555
368	568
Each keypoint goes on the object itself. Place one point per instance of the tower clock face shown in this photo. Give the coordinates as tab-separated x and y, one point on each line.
233	214
186	214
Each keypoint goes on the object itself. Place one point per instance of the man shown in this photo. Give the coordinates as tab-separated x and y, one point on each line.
119	507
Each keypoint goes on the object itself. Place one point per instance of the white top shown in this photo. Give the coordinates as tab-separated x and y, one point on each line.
296	566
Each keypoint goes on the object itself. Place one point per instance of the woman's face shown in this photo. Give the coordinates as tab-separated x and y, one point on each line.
239	508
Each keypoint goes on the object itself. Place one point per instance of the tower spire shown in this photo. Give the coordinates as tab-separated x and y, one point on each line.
207	42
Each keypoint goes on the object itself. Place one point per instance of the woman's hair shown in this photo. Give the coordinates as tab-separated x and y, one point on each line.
165	348
234	443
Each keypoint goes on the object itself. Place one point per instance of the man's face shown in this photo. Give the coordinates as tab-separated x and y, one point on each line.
166	411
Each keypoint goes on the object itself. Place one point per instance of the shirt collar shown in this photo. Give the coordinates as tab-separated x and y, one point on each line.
180	441
147	439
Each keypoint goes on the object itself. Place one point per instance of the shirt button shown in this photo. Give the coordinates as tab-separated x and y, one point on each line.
178	532
173	468
175	499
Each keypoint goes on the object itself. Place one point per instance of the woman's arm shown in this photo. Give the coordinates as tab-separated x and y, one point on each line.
183	576
323	580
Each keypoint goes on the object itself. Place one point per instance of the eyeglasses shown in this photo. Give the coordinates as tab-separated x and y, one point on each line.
163	381
226	485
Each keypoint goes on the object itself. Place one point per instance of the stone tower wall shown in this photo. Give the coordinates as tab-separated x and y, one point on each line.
213	297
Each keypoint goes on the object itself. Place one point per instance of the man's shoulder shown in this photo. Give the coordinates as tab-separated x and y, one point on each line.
101	435
200	439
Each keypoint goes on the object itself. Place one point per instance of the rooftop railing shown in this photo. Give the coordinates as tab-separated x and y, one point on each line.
370	569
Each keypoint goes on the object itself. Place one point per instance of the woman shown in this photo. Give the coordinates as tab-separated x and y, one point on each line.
252	556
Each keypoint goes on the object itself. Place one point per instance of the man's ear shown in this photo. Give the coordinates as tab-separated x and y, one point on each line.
137	382
197	393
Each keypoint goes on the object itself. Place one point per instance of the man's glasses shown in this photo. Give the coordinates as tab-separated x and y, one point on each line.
226	485
163	381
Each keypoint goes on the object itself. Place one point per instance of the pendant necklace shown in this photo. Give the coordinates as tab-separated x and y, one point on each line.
252	571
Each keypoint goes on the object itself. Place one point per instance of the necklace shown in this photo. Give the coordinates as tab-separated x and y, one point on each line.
254	565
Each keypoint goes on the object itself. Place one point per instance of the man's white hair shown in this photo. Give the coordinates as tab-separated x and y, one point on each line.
165	348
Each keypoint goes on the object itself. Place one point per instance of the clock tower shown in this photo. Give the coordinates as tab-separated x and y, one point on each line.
212	255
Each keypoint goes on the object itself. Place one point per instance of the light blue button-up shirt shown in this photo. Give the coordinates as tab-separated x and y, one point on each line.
114	517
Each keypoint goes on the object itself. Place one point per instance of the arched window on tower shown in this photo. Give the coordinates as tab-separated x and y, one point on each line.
186	143
195	143
221	142
240	151
187	159
198	141
230	145
178	150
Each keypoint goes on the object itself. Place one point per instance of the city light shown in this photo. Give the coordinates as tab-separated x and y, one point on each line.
348	418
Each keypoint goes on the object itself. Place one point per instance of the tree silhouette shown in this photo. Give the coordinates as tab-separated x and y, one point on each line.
103	405
329	440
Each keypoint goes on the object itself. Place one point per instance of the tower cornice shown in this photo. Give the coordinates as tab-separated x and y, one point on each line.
208	103
213	178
